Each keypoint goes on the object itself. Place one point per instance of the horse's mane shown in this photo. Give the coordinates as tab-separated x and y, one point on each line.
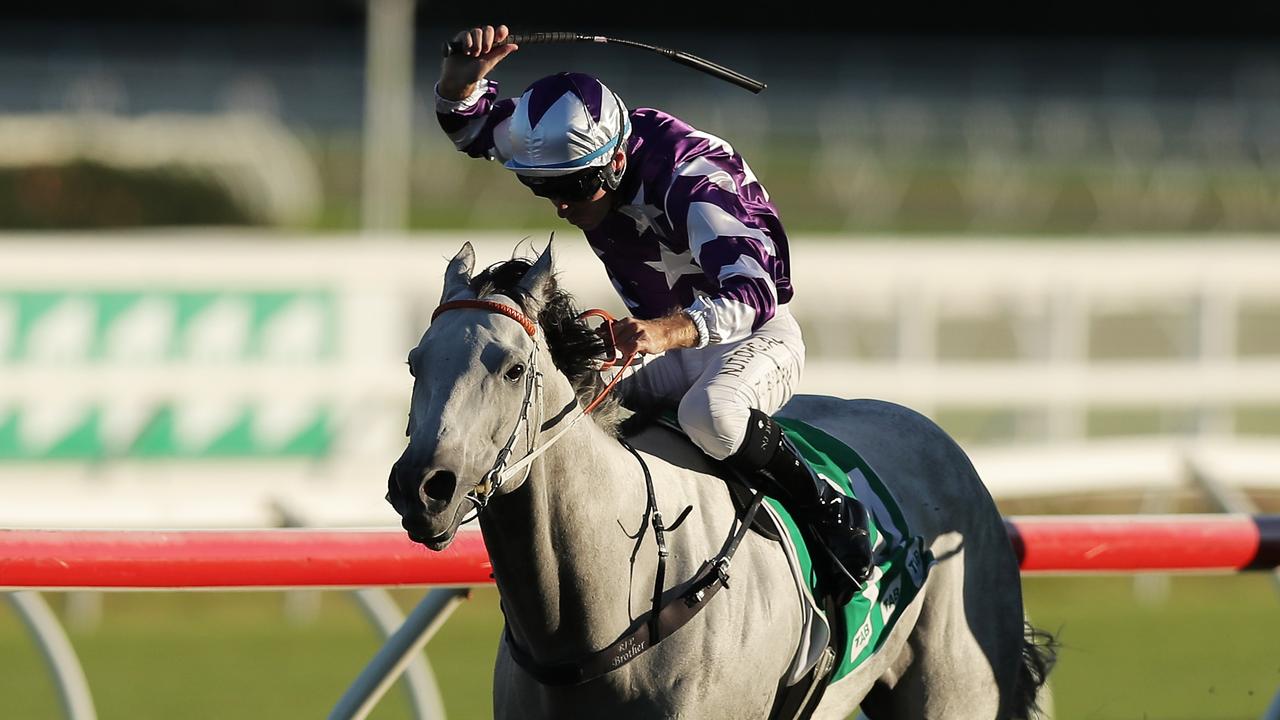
575	348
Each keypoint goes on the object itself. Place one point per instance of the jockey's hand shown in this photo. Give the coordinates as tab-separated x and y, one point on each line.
460	73
650	337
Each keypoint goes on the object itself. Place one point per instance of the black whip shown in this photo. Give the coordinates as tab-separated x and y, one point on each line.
684	58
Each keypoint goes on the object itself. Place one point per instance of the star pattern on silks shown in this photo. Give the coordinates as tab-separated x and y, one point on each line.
643	213
675	265
713	142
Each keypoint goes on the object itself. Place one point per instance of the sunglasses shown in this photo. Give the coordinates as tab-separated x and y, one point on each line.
574	187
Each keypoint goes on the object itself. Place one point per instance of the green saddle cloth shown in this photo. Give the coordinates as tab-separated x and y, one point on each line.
902	561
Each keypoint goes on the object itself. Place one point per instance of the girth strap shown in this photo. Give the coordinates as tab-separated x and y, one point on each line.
678	611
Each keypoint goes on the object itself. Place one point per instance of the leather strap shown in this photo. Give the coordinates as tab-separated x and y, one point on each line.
529	325
677	611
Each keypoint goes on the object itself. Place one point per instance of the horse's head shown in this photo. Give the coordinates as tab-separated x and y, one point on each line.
478	372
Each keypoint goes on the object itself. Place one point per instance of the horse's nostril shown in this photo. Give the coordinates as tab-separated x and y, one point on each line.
438	489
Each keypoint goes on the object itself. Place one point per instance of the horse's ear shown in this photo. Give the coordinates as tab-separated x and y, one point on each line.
457	277
536	282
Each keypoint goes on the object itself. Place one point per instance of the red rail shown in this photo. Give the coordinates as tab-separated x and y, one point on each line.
339	558
234	558
1145	543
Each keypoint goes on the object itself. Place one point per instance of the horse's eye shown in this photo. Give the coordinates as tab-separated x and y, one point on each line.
515	373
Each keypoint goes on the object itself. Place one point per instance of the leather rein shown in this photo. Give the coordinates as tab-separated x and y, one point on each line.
662	619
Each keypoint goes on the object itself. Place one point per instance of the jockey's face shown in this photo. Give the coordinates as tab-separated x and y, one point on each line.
587	213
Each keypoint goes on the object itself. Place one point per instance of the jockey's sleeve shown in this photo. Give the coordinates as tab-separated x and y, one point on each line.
735	254
477	124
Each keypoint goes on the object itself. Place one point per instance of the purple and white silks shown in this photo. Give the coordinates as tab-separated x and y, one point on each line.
696	230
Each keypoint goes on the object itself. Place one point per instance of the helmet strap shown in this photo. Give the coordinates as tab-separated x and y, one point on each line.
611	178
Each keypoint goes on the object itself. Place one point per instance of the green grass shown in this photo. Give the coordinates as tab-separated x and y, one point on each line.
1210	651
234	655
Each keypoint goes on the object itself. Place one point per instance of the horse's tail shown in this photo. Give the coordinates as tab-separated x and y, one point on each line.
1039	653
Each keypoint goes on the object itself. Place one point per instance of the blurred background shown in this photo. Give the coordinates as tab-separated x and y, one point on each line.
222	225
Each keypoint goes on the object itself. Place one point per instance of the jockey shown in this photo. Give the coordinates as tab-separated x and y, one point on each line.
695	249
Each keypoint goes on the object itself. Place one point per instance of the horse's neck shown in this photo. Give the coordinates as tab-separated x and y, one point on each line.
560	559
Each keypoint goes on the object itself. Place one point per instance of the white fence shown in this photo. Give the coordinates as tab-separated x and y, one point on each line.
278	360
259	161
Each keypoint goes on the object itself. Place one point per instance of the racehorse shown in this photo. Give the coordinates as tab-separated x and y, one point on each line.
501	377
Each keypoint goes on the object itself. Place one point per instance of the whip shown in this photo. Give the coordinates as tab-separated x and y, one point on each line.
684	58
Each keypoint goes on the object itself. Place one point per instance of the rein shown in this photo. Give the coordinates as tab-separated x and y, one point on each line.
613	345
662	619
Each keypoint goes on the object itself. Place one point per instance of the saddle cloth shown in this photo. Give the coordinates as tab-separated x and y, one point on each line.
901	564
901	560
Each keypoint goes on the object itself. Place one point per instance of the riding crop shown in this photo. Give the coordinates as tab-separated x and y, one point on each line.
684	58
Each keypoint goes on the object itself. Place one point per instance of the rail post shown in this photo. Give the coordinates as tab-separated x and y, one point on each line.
396	654
73	687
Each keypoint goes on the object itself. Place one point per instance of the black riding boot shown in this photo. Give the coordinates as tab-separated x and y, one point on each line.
839	521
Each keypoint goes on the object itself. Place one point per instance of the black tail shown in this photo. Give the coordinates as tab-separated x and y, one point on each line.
1039	653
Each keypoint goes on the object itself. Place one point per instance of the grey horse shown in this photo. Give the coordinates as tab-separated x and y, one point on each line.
497	398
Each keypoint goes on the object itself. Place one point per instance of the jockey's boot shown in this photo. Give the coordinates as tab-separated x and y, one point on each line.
840	521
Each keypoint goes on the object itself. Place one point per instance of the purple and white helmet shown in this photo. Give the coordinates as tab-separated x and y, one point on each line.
564	123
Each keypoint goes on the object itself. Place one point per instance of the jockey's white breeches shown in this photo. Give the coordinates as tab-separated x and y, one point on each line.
715	387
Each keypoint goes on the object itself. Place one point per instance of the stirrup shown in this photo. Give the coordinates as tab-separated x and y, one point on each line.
855	542
841	584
